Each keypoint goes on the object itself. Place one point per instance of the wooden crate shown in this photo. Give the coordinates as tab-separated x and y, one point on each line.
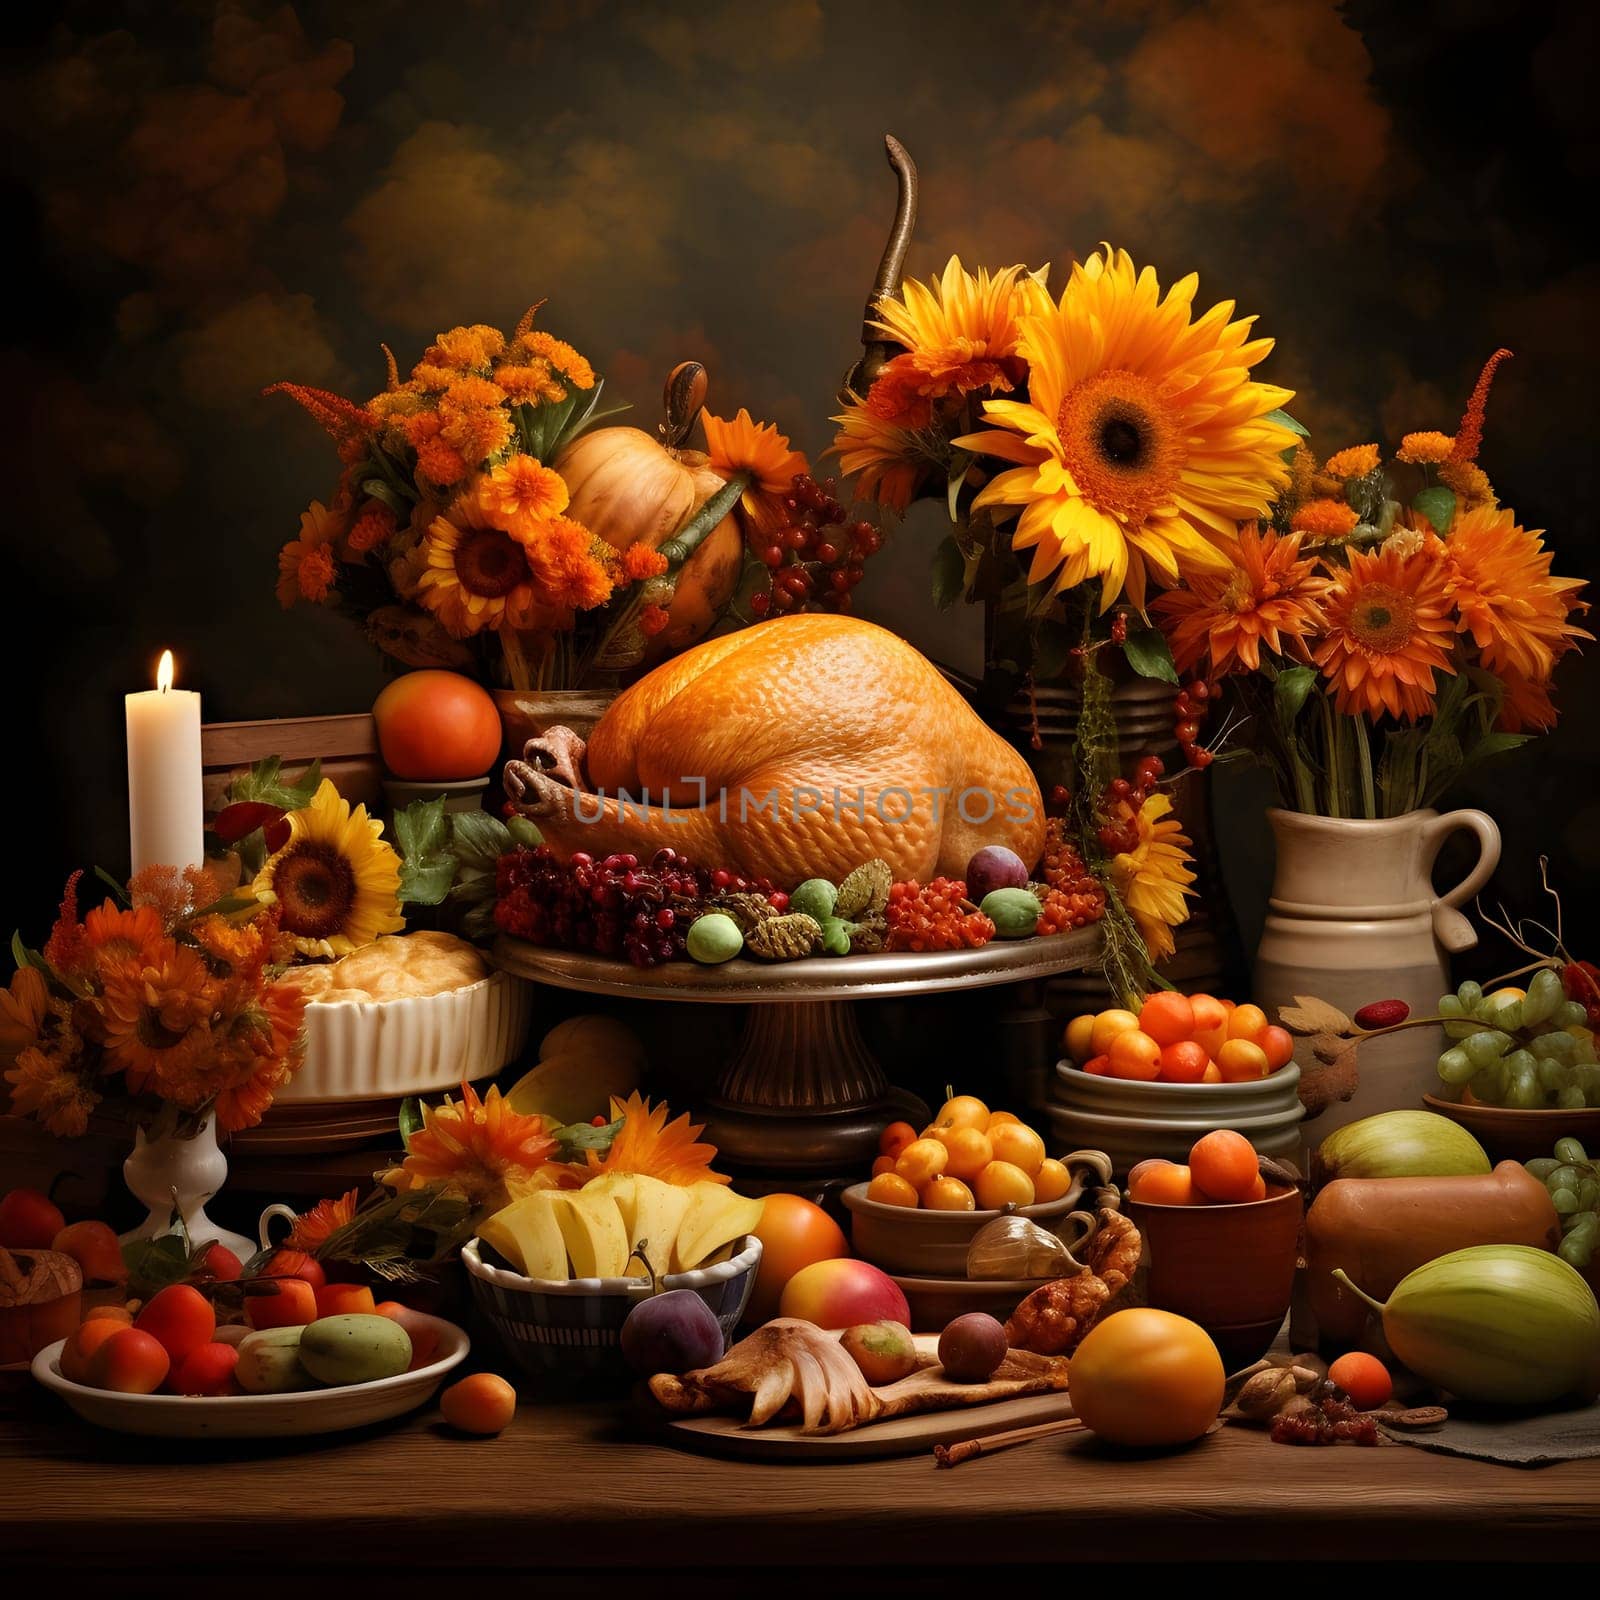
347	746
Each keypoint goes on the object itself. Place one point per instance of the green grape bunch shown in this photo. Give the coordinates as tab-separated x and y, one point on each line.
1574	1184
1534	1053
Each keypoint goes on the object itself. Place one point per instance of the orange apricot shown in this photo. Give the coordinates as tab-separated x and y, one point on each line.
895	1138
1239	1060
1051	1181
131	1361
1001	1184
1184	1062
922	1161
883	1164
339	1299
1107	1026
1167	1017
1020	1145
1162	1183
180	1318
1247	1022
484	1404
1224	1167
78	1352
890	1189
1277	1044
947	1194
1098	1066
1134	1054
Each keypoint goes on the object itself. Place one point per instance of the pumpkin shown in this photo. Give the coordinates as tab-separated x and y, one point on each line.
627	485
41	1300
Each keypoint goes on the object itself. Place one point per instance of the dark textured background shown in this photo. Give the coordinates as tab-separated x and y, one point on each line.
205	198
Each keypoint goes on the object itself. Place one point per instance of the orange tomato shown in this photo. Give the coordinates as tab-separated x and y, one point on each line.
1167	1017
922	1161
947	1194
291	1305
1247	1022
131	1361
895	1138
1145	1377
1239	1060
1161	1183
1020	1145
1107	1026
1210	1023
1051	1181
484	1404
1184	1062
1134	1054
1364	1378
179	1318
890	1189
962	1111
337	1299
437	727
794	1233
1277	1044
1225	1167
1001	1184
970	1151
78	1351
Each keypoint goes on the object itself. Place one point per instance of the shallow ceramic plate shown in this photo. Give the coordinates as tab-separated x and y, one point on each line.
257	1416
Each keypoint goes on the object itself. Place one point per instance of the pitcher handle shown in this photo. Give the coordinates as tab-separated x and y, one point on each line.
1450	928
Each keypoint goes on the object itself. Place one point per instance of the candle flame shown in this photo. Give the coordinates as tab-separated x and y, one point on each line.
164	672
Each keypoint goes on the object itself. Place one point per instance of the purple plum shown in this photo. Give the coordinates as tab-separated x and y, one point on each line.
672	1332
995	867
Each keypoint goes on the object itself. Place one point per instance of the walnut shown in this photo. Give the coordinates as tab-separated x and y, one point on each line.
1053	1320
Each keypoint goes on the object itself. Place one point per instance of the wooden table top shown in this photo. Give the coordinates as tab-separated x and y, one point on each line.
584	1479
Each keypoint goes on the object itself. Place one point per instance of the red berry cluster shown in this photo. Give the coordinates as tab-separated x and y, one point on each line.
1189	708
1123	801
1329	1419
1074	897
1059	801
935	916
1581	980
613	906
817	558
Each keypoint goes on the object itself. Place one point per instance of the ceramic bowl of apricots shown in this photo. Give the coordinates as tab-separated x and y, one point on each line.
930	1192
1136	1084
1220	1241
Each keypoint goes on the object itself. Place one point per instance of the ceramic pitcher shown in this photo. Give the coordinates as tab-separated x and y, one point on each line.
1354	917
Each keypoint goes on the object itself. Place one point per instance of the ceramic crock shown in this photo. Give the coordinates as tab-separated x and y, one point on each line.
526	714
1354	916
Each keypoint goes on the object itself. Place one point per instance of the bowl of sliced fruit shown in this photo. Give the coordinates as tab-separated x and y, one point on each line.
557	1271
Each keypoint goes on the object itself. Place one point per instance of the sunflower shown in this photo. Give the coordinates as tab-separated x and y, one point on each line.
1389	631
1144	440
1498	575
481	1148
1271	597
306	568
311	1228
889	463
155	1019
53	1091
757	448
522	490
1153	878
336	882
477	574
647	1143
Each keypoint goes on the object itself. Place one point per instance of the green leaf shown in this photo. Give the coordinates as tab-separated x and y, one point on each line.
410	1120
949	573
1438	505
524	832
478	839
24	957
577	1137
960	460
377	489
1289	693
265	783
1052	647
119	891
155	1264
1284	420
427	868
1150	655
1497	744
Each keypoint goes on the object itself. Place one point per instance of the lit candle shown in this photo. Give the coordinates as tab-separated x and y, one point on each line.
166	798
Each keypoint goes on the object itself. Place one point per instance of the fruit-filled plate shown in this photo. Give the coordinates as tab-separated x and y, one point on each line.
899	1436
741	980
296	1413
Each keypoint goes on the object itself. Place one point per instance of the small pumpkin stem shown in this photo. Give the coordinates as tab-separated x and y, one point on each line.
1357	1290
876	351
695	531
682	398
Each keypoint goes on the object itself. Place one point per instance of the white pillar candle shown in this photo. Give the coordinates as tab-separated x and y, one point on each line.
166	795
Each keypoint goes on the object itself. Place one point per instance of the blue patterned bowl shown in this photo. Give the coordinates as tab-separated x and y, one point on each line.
572	1327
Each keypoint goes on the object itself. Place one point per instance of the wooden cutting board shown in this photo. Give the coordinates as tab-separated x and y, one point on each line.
900	1436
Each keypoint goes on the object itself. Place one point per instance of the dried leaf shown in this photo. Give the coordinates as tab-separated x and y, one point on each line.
1311	1015
1328	1047
1327	1084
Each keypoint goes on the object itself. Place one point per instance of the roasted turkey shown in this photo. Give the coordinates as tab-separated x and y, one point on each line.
797	748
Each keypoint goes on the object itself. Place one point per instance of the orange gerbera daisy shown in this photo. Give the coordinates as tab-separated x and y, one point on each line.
1152	880
1354	462
155	1017
756	448
1324	519
305	565
1271	597
263	1054
51	1090
522	490
1498	575
647	1143
113	935
889	463
1389	631
482	1148
1527	705
312	1228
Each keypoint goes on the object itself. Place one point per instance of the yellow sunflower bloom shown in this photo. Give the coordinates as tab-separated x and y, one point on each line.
336	882
1152	880
477	574
887	461
1144	441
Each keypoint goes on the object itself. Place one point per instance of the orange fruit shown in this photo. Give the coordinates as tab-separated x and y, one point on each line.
1364	1378
131	1361
1212	1074
1134	1054
1001	1184
1051	1181
1098	1066
1224	1167
1020	1145
794	1233
947	1194
1000	1118
1247	1022
483	1403
1239	1061
962	1111
922	1161
970	1151
78	1351
1277	1044
1162	1183
1259	1192
1210	1022
1167	1017
1184	1062
881	1165
890	1189
1079	1039
895	1138
1107	1026
114	1312
1145	1377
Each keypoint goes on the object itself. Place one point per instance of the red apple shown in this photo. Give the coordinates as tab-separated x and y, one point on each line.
29	1220
93	1245
437	727
841	1293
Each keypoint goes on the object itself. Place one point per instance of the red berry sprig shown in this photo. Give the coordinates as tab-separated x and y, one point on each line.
817	557
1189	708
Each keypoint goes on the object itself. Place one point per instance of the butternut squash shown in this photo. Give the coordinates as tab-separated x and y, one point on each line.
1380	1229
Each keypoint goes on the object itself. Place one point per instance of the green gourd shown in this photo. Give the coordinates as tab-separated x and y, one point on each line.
1014	912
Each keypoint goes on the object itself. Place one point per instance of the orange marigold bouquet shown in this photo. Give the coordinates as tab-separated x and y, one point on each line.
164	998
1392	625
452	532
